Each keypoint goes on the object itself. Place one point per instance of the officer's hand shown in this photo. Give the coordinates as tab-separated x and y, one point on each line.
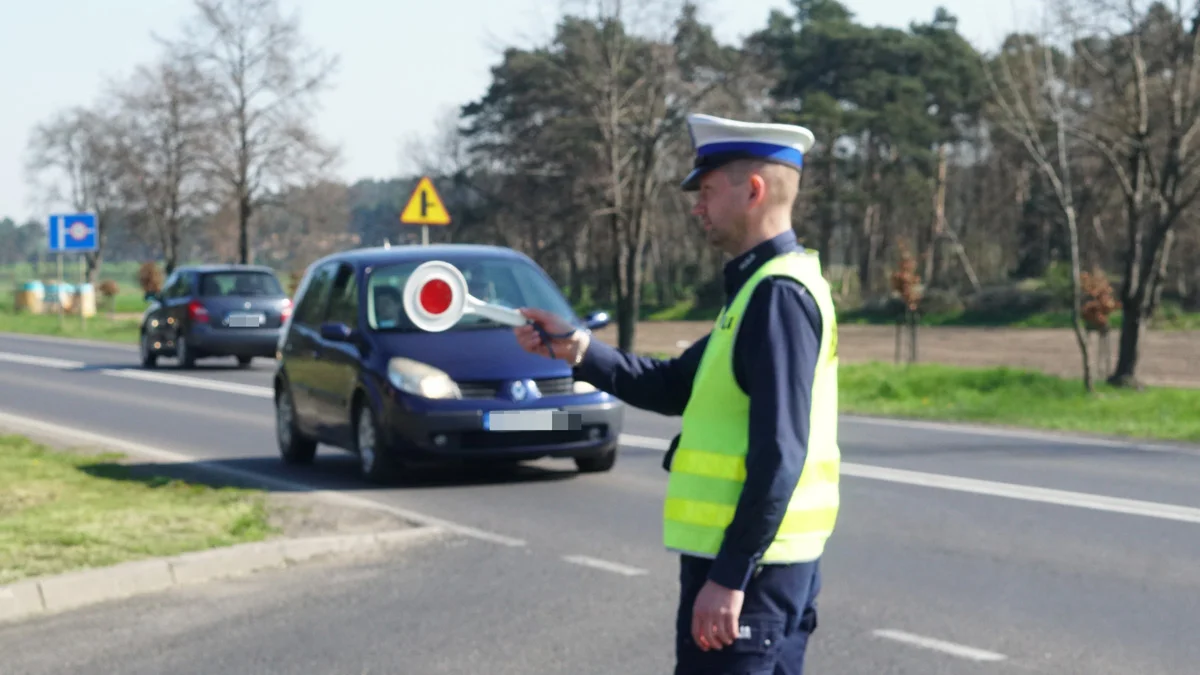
569	349
715	616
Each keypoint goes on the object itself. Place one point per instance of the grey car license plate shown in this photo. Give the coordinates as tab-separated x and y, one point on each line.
245	320
531	420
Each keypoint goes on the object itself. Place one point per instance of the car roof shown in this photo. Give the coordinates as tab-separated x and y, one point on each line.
224	267
379	255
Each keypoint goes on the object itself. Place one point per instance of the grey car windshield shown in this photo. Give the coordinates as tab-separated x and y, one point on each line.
509	283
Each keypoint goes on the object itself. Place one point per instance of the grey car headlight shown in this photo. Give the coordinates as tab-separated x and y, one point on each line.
421	379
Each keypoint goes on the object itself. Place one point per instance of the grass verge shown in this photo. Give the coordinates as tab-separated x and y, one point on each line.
1019	398
99	327
62	511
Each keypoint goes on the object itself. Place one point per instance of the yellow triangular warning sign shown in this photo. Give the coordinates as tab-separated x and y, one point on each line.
425	207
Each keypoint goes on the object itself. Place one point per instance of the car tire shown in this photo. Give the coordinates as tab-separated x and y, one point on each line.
149	358
374	464
598	463
183	352
294	447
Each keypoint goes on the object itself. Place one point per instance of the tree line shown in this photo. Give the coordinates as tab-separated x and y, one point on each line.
1069	146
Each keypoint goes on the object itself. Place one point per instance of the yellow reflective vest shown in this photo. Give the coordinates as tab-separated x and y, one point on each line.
709	468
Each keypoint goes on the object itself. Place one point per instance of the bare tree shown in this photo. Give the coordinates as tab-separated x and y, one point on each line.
1143	118
167	123
1031	107
266	87
634	95
79	149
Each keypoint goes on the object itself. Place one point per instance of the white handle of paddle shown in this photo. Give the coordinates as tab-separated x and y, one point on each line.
497	313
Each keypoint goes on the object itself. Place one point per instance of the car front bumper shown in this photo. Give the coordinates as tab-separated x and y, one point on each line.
460	434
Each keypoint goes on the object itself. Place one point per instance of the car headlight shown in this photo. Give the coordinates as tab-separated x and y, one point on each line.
582	387
421	379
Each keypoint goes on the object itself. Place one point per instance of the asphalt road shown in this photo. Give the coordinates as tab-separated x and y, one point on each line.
957	551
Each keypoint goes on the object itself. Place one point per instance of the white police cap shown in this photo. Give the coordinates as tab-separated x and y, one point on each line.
719	141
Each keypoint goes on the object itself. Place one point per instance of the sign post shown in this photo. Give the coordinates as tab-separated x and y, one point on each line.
73	233
425	208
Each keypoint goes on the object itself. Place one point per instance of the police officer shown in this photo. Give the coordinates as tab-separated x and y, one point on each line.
752	493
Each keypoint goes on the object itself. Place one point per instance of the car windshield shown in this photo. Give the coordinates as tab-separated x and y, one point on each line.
239	284
505	282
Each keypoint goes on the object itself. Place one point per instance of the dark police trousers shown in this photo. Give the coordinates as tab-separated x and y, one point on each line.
778	616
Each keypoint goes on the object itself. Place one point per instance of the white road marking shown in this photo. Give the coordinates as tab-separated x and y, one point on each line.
41	361
951	648
32	427
649	442
605	565
195	382
1081	500
145	376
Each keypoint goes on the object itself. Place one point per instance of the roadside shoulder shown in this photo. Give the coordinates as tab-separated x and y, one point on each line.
90	525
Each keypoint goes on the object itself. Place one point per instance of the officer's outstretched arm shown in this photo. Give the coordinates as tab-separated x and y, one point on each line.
658	385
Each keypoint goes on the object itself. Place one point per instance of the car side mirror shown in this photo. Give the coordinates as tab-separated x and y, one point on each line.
596	320
335	331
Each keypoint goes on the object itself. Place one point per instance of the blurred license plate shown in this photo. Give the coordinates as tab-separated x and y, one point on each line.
245	320
531	420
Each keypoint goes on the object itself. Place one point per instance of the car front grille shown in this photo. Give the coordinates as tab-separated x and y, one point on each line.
555	386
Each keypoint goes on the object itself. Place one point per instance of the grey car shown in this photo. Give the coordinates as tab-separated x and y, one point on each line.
215	311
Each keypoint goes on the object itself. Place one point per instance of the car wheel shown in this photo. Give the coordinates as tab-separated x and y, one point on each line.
598	463
294	447
374	463
183	352
146	351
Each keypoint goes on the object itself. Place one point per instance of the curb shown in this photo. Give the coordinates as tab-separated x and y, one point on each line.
30	598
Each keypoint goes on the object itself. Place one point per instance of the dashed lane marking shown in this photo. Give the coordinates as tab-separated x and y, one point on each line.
605	565
648	442
951	648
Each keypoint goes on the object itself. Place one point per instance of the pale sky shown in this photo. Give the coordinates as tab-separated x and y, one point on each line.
404	63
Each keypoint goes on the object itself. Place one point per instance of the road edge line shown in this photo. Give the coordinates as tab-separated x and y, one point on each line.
605	565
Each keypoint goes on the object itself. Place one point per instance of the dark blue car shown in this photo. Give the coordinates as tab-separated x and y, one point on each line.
356	374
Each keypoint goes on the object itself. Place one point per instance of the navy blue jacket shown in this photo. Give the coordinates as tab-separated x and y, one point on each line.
774	359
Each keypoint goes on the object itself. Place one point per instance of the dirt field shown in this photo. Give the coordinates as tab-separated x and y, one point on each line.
1168	358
